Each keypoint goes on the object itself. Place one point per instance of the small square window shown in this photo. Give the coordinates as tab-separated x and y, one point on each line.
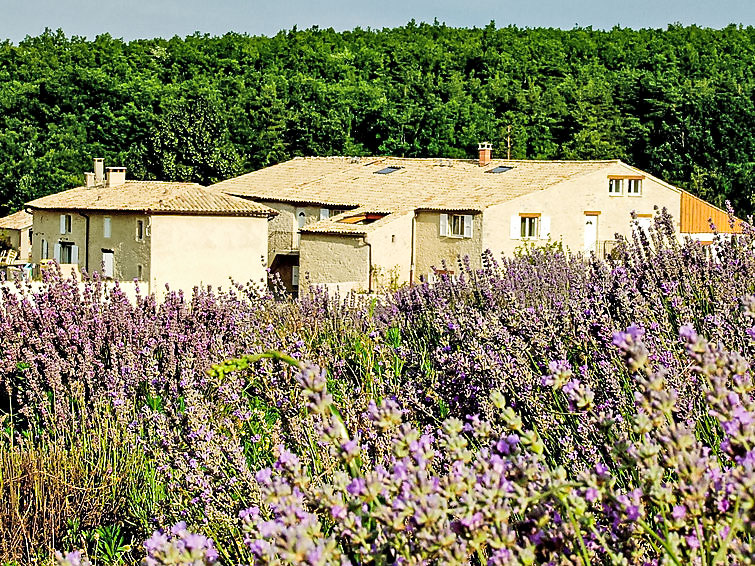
615	186
530	226
634	187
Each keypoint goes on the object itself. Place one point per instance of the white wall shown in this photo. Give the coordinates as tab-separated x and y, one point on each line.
566	203
207	250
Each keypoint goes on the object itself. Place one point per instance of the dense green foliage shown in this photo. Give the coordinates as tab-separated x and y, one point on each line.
679	103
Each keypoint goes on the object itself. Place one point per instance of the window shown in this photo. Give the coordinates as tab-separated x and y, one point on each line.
456	225
45	250
295	276
499	169
139	230
65	223
634	187
106	227
615	186
139	272
387	170
31	232
529	226
108	263
68	253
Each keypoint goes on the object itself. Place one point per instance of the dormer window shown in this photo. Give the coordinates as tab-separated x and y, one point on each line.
499	169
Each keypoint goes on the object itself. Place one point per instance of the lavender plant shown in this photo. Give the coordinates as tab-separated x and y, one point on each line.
539	328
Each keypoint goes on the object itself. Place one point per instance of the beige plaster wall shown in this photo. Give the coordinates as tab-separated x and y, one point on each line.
24	249
432	248
46	225
128	253
187	251
566	204
283	228
392	252
334	261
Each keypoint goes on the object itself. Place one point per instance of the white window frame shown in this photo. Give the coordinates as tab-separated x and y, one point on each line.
456	225
107	227
616	187
529	227
634	187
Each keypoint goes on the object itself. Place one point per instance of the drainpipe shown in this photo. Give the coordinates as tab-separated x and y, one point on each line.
412	246
86	253
369	263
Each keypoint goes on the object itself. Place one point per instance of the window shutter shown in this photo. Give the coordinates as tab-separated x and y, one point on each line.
75	254
545	227
324	214
62	223
106	227
45	250
56	254
516	227
444	224
468	225
295	276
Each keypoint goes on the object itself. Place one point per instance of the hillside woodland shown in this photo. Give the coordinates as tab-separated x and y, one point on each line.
678	102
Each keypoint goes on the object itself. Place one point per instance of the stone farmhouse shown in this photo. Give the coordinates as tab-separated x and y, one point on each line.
157	233
363	223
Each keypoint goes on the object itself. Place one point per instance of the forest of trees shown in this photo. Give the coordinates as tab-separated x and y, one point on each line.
678	103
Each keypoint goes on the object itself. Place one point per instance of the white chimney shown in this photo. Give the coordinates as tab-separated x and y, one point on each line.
90	179
116	176
99	170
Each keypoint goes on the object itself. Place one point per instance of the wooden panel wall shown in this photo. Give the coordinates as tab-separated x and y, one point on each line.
695	215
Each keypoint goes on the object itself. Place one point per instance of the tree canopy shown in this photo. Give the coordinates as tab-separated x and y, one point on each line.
679	102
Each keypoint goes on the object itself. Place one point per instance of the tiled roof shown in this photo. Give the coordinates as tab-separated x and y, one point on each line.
16	221
433	184
153	197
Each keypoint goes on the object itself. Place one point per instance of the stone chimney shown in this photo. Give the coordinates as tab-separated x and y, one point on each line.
116	176
99	170
90	179
486	152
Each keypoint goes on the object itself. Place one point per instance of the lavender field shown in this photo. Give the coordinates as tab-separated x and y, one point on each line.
547	409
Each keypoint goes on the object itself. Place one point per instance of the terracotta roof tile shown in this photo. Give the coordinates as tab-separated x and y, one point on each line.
154	197
16	221
435	184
